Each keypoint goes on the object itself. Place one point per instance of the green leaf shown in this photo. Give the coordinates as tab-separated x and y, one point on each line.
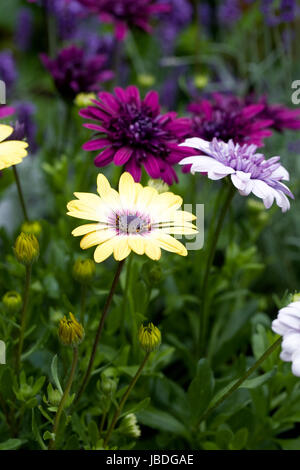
138	407
200	390
161	420
55	374
240	439
11	444
260	380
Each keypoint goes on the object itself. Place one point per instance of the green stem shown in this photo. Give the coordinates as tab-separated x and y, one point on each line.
210	258
239	382
124	399
99	330
23	316
103	418
20	193
64	398
125	298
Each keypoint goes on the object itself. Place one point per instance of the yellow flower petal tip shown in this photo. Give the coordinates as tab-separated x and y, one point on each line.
136	218
12	152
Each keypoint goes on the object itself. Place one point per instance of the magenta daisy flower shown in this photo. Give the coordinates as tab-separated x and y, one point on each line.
125	14
227	117
135	134
249	171
6	111
281	116
74	71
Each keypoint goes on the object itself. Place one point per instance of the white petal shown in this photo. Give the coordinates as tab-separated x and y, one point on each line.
280	328
281	173
296	364
240	179
291	342
197	143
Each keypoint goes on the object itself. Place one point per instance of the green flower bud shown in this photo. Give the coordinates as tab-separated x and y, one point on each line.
12	302
159	185
201	81
146	79
149	337
129	426
33	227
84	99
27	248
108	385
296	297
70	332
84	270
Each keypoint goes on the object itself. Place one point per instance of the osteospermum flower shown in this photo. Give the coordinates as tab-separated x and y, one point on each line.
135	219
249	171
287	324
133	133
74	71
125	14
228	117
12	152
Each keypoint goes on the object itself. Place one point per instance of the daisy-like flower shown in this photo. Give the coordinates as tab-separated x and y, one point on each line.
12	152
135	219
249	171
287	325
133	133
125	14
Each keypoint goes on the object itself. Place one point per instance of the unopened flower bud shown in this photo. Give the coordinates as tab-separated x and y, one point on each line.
84	99
108	385
34	228
70	331
12	301
27	248
129	426
146	79
296	297
149	337
84	270
201	81
159	185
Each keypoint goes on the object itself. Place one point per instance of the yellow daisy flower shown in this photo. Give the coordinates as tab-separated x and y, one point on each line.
135	219
12	152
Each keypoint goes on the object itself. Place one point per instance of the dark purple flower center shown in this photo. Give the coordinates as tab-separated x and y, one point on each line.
224	126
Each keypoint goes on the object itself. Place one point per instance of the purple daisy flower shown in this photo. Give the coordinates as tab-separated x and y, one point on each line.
8	71
281	116
228	117
6	111
249	171
74	72
133	133
125	14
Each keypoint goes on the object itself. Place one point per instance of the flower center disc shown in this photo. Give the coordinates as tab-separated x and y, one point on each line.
131	224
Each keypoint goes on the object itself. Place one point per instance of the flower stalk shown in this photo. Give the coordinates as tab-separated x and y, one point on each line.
64	398
23	315
100	329
124	399
20	193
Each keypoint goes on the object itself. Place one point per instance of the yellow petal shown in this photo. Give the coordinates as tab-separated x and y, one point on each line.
104	250
103	186
13	147
145	198
137	244
121	248
5	131
152	250
169	243
127	190
108	195
96	238
87	228
179	230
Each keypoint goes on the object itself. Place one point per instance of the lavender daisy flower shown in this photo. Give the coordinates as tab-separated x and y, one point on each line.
125	14
26	124
172	24
275	14
229	12
74	72
249	171
68	14
133	133
287	325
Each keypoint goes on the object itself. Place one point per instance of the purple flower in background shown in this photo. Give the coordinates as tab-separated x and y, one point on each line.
6	111
23	32
229	12
133	133
275	13
249	171
8	72
125	14
68	14
25	125
281	116
73	71
170	25
227	117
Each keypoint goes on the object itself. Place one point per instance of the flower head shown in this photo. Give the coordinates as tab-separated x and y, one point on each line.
70	331
12	301
12	152
33	227
26	248
125	14
149	337
228	117
135	219
73	71
287	324
134	133
129	426
249	171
